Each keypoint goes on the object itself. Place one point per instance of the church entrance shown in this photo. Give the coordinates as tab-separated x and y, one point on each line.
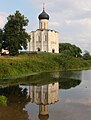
38	49
53	51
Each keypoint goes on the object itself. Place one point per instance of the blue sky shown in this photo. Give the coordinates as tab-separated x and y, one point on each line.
71	18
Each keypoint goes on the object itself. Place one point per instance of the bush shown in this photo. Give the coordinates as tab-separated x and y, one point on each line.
3	100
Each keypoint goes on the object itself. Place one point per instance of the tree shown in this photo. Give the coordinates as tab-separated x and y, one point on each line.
72	50
1	39
87	55
15	35
66	53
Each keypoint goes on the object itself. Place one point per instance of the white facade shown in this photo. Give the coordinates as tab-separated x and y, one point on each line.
44	39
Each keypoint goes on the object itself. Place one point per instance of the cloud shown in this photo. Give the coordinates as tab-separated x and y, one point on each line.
80	101
54	23
86	21
2	19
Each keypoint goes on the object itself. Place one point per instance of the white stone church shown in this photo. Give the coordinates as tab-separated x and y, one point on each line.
44	39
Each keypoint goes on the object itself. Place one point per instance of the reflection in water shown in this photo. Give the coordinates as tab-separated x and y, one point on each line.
68	83
41	92
16	100
44	95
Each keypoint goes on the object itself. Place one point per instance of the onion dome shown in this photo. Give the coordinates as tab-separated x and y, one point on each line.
43	15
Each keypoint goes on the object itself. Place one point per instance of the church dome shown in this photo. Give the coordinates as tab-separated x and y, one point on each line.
43	117
43	15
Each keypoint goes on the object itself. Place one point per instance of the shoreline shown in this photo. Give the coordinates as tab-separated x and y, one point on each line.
26	65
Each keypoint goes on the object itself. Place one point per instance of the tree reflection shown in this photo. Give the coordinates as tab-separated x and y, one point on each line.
68	83
17	99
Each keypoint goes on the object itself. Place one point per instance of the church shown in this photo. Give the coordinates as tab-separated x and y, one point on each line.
44	39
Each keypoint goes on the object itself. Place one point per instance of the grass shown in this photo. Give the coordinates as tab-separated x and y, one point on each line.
27	64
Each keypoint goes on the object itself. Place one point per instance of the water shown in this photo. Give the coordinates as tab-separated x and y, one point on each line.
48	96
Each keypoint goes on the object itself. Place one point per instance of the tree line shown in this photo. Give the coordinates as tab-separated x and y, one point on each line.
67	49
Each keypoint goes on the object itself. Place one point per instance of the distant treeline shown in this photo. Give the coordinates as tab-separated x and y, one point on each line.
67	49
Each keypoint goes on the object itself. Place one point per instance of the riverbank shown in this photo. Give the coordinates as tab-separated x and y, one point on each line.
22	65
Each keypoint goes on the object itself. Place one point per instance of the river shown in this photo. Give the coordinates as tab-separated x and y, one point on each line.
50	96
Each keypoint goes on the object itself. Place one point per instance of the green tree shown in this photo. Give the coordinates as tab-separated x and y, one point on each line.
1	39
71	50
15	35
66	53
87	55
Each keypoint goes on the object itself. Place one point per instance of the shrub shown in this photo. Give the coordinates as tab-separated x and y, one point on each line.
3	100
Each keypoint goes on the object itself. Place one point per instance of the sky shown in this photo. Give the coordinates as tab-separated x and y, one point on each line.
71	18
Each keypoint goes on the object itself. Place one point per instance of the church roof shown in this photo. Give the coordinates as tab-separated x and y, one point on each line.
43	15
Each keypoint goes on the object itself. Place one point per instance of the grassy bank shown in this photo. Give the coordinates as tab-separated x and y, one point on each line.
34	63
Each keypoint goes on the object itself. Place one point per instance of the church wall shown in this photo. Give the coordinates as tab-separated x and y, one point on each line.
45	41
31	43
41	42
53	38
39	39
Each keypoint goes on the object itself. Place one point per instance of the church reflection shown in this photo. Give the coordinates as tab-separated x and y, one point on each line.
44	95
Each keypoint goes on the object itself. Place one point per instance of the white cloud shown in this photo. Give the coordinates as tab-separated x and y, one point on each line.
2	19
68	21
80	101
86	21
54	23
